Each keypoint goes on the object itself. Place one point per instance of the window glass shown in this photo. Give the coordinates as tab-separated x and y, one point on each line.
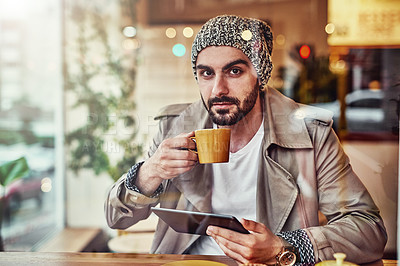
30	83
131	58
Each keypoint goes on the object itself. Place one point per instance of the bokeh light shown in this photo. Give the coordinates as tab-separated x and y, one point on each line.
278	82
131	44
329	28
179	50
188	32
129	31
246	35
280	40
305	51
46	184
338	66
170	32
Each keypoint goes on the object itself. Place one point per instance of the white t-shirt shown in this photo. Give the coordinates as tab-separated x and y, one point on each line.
234	189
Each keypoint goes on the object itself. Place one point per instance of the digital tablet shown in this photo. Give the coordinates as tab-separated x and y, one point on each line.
197	222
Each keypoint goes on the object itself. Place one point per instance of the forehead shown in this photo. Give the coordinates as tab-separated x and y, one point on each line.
220	55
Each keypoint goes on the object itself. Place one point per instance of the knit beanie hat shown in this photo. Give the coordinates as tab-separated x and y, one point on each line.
252	36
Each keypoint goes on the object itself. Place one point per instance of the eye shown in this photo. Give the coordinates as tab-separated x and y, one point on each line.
235	71
205	73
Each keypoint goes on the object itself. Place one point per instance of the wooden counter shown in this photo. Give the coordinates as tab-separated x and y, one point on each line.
110	259
94	259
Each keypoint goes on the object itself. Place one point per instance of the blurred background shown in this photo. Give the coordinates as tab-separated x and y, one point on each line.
81	83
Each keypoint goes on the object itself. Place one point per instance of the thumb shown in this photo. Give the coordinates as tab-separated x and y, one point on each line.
253	226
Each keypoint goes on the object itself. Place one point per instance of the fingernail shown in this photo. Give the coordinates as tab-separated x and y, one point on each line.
209	230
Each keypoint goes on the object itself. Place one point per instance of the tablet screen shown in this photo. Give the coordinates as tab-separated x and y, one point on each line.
197	222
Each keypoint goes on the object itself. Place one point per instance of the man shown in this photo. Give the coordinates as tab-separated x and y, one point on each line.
286	165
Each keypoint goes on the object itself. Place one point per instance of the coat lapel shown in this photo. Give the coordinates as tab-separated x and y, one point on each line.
276	194
277	190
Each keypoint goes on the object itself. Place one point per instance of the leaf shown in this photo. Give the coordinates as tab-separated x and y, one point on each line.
13	170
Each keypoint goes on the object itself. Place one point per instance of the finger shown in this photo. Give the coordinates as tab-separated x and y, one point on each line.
181	155
232	254
188	136
180	142
178	164
176	158
253	226
188	155
232	246
229	235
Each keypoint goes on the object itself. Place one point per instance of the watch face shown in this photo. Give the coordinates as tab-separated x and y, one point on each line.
287	258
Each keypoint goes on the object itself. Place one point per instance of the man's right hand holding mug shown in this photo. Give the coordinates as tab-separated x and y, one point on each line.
171	159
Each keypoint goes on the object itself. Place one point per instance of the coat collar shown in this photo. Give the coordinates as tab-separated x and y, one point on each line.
284	121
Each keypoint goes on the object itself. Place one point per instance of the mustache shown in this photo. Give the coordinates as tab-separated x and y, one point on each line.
225	99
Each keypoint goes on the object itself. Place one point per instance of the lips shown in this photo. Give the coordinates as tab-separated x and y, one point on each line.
222	105
223	102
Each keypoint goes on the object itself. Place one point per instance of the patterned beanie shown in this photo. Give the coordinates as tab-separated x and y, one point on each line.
252	36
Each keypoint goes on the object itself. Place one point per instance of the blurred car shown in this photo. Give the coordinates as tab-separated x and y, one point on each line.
364	111
20	190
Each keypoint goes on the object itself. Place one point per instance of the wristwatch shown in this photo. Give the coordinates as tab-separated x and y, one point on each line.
287	256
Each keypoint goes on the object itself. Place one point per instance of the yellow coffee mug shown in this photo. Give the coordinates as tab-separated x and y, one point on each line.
212	145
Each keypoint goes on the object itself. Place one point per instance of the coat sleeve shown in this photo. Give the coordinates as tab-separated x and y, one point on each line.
124	208
354	224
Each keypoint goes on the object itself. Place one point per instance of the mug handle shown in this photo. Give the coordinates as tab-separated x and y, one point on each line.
194	140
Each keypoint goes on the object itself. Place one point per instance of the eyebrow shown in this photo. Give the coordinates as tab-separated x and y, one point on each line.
227	66
236	62
203	67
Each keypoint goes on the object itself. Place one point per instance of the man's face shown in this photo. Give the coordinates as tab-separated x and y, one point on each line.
228	83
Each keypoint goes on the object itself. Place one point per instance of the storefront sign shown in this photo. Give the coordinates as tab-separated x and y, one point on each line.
364	22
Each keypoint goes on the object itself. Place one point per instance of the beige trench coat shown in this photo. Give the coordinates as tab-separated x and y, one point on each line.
303	170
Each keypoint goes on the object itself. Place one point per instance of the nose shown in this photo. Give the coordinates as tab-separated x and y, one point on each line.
220	87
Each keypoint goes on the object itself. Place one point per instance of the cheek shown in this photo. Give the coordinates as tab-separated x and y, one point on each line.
241	87
205	90
204	97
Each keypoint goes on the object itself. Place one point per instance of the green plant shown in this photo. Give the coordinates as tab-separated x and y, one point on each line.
110	125
9	172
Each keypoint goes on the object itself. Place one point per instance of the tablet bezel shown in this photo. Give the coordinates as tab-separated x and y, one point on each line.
197	222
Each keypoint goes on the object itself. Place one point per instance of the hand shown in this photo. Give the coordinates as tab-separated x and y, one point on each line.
171	158
261	245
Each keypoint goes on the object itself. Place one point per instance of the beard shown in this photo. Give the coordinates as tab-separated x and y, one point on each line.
227	117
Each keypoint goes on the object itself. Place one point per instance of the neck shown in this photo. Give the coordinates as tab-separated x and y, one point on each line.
243	131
